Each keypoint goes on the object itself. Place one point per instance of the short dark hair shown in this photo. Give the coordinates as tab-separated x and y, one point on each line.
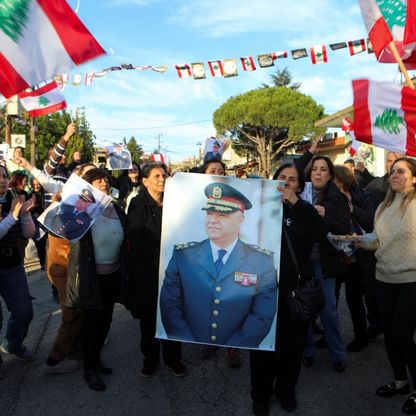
204	167
148	167
350	162
7	172
94	174
301	175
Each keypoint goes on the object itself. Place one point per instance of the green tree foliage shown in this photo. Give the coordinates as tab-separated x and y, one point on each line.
283	78
50	129
266	121
134	148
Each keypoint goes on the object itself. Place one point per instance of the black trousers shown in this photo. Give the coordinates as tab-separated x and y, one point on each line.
278	371
397	306
360	293
150	346
97	322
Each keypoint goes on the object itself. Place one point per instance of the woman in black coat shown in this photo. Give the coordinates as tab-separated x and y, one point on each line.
97	278
327	263
144	233
360	279
278	371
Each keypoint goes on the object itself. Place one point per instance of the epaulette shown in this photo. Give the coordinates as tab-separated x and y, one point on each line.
186	245
261	250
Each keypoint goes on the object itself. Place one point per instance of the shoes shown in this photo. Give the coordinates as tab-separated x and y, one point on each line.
233	358
340	366
357	344
63	367
260	407
321	343
102	369
308	361
179	370
148	370
390	390
23	354
208	352
94	380
409	406
288	404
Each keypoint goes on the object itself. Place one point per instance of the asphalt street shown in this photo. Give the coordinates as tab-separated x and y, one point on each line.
210	388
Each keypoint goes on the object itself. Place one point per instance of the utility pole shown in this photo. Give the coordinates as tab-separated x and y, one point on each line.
33	130
158	141
7	129
199	150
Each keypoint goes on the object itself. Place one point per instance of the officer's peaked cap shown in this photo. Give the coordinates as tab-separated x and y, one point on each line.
224	198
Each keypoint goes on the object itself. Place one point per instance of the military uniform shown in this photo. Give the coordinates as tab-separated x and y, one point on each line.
64	221
234	306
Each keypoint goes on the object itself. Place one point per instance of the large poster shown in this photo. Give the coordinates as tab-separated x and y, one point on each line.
219	261
80	206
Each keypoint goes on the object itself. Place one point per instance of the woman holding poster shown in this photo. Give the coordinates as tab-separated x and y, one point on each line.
144	235
278	371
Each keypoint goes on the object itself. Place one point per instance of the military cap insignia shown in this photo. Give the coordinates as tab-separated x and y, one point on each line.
217	192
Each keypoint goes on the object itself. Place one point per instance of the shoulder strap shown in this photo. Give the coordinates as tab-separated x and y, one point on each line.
292	252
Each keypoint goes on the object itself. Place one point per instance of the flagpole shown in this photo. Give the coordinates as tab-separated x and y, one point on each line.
32	141
399	60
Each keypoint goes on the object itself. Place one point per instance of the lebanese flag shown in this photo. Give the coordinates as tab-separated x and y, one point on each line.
391	22
39	39
184	71
385	116
318	54
42	101
279	55
356	46
216	68
248	63
348	127
157	157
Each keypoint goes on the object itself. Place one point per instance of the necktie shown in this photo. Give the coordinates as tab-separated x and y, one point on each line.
219	263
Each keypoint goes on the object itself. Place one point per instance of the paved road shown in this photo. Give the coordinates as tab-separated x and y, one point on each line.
210	389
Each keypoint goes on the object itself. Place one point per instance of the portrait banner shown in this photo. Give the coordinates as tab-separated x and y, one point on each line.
77	211
4	151
119	158
219	261
214	149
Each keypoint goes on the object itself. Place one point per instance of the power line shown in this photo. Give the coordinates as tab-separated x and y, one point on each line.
154	127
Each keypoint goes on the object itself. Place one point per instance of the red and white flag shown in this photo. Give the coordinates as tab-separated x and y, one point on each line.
389	21
42	101
89	77
384	115
157	157
279	55
39	39
184	71
318	54
356	46
216	68
248	64
348	127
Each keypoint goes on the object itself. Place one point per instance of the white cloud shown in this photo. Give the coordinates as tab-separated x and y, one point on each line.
115	3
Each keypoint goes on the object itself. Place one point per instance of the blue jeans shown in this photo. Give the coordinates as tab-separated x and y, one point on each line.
15	293
329	319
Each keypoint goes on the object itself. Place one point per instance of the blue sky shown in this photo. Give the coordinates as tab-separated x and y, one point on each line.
168	32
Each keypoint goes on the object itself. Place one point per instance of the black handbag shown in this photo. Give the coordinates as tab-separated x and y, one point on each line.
308	299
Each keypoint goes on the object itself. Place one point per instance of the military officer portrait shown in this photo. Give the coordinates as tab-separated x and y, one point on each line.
221	290
119	158
71	221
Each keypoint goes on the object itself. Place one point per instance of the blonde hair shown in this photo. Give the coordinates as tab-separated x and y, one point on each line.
410	196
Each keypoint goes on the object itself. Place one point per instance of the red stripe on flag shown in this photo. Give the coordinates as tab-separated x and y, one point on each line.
40	91
52	109
410	28
409	110
313	56
80	45
324	53
380	36
10	80
362	119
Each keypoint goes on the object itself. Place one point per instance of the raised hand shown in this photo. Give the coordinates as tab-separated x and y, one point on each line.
28	205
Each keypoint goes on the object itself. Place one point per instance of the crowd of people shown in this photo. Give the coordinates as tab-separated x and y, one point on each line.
92	274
